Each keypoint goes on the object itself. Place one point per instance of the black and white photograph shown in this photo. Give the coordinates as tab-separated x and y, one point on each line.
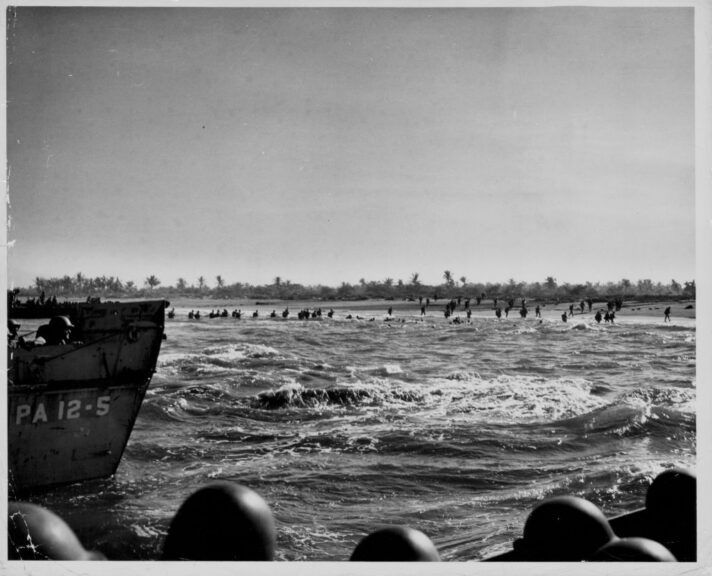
356	283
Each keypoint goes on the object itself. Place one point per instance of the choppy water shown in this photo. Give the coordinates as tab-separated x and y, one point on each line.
346	425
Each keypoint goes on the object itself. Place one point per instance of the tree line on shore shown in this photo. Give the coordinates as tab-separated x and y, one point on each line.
81	286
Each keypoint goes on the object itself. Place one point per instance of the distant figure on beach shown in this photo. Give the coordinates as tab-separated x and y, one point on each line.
197	315
191	315
571	311
172	313
667	314
607	317
285	313
582	306
523	311
330	314
563	316
598	317
422	310
498	312
469	314
273	314
255	314
613	317
390	310
538	311
590	303
506	312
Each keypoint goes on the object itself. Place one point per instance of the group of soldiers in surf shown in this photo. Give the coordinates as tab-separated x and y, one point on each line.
303	314
450	307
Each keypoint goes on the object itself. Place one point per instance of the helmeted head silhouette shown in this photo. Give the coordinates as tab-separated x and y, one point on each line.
671	505
565	528
395	544
222	521
35	533
633	550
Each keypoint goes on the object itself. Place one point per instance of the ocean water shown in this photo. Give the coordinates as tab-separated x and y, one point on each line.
343	426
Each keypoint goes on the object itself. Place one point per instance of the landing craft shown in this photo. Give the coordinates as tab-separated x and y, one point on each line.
71	407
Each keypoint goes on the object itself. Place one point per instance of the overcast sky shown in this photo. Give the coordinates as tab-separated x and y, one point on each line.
329	145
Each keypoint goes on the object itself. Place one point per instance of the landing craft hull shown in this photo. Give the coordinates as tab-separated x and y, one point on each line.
71	408
66	435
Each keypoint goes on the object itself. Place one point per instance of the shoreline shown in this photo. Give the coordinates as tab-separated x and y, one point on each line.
631	308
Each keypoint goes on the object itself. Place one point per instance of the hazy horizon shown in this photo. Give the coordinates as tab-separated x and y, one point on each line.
323	145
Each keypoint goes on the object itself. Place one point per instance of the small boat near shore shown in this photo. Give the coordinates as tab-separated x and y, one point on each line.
72	406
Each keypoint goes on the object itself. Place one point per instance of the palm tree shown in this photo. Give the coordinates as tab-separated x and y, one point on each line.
152	281
181	284
201	282
220	281
463	279
415	279
448	278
